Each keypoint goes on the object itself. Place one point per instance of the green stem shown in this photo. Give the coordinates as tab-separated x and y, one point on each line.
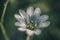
4	32
28	37
2	19
4	10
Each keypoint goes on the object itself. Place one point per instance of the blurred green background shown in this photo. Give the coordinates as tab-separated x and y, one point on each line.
49	7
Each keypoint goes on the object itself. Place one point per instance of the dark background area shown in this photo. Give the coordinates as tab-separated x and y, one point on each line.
49	7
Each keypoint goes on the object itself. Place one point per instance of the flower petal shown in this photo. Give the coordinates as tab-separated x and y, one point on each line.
18	17
37	32
27	20
37	12
21	29
44	24
30	32
22	13
29	14
43	18
30	11
23	25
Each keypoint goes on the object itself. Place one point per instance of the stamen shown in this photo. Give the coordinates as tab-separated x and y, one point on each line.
30	26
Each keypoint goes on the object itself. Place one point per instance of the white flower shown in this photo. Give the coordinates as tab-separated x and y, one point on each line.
31	21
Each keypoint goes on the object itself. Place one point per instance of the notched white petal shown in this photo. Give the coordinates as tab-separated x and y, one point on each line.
21	29
37	12
17	24
44	24
30	11
43	18
17	16
22	13
37	32
30	32
23	25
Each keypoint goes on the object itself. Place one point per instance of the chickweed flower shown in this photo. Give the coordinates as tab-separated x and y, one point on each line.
31	21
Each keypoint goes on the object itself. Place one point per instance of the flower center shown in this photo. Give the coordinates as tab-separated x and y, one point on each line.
31	26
